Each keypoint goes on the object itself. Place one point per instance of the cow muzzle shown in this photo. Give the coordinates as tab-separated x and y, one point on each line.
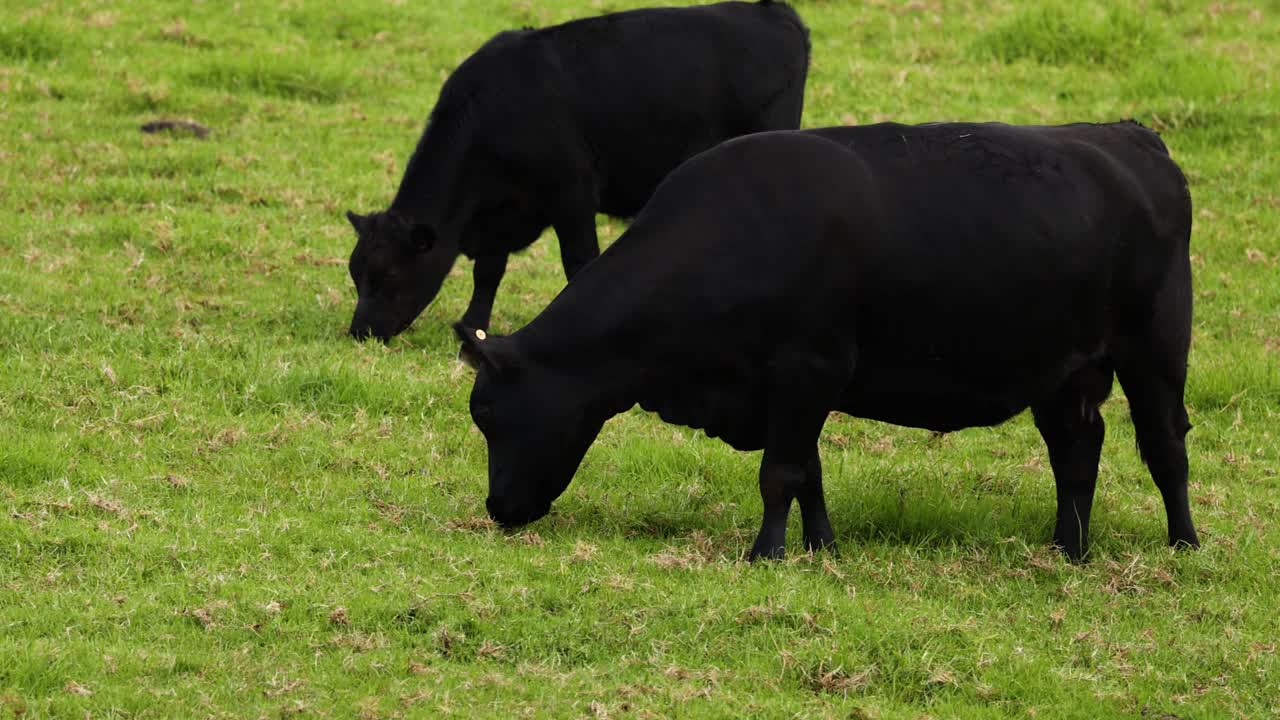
363	330
513	515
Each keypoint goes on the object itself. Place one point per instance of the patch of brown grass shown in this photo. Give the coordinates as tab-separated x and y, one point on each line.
205	616
228	437
76	688
583	552
490	650
282	687
108	505
699	552
472	524
449	640
838	681
1134	577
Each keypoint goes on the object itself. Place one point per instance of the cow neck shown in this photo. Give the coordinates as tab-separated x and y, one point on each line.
599	330
426	193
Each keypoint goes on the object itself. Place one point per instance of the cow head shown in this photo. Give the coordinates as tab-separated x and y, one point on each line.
397	267
536	422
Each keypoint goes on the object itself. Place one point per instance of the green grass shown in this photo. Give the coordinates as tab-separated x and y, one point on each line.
1062	33
213	504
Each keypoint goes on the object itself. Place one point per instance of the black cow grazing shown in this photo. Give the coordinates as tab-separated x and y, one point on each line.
548	127
938	276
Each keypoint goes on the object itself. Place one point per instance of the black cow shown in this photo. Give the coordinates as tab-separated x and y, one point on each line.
938	276
548	127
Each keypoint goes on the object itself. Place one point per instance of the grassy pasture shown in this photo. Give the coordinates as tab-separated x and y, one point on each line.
212	504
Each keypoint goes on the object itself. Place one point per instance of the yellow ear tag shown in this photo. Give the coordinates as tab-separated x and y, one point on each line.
480	335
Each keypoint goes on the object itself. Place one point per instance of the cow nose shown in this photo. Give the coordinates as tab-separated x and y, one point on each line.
513	515
364	332
505	514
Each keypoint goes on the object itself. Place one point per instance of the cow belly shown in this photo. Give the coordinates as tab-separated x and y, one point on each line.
939	412
934	398
732	412
944	398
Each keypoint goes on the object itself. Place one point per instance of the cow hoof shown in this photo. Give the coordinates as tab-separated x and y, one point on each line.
1072	550
766	553
821	545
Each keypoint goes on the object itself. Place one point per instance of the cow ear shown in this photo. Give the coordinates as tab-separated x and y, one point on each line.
470	352
479	349
424	238
357	221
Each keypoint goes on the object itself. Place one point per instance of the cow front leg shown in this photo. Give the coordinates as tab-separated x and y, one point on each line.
800	388
778	484
790	470
785	477
813	508
1074	456
487	274
1073	431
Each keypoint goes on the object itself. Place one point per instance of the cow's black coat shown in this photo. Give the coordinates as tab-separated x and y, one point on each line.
938	276
548	127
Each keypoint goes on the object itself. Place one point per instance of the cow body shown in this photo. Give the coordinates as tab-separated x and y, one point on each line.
939	276
548	127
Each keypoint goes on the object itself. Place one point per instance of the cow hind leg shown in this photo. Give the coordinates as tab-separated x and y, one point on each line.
818	534
488	273
1155	393
1073	431
785	477
1151	363
578	244
790	469
575	226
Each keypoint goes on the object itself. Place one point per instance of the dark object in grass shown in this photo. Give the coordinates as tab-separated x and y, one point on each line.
548	127
939	276
187	126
